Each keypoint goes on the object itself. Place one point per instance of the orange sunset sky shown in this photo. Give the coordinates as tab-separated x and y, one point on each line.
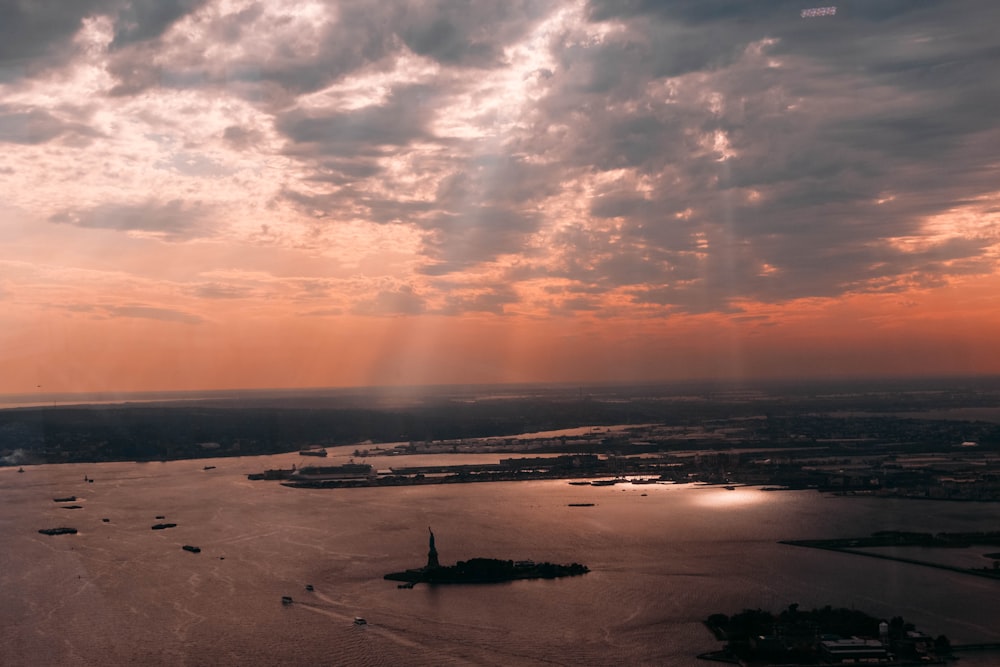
200	194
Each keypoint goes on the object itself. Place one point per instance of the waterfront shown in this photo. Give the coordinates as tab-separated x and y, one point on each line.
662	558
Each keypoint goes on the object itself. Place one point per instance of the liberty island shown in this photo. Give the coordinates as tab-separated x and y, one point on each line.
482	570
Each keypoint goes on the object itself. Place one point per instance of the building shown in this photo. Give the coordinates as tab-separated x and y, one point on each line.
853	650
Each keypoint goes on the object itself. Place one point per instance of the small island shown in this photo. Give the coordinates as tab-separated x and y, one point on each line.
482	570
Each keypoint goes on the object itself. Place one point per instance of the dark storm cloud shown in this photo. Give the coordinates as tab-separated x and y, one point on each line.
342	148
358	132
822	121
478	211
38	33
140	20
174	220
454	32
357	34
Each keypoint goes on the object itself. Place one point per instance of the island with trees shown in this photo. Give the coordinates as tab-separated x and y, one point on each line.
821	636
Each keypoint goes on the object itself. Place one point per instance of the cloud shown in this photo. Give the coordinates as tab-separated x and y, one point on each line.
401	300
457	241
172	221
140	20
221	291
322	312
751	164
685	156
489	300
37	35
240	138
297	50
31	125
364	131
153	313
453	33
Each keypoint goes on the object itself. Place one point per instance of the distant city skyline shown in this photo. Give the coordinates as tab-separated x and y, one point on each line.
216	194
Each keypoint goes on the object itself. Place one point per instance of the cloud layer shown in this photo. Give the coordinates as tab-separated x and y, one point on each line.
533	159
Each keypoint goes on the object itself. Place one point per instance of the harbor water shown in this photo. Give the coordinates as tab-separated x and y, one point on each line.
662	558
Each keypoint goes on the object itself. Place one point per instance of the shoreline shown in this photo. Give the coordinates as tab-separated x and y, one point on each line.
811	544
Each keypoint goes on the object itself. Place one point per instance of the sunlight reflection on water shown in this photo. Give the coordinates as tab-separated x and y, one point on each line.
737	497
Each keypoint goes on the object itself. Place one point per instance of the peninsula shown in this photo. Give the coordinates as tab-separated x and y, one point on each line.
860	546
481	570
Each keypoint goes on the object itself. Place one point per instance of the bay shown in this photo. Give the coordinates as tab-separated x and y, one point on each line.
662	558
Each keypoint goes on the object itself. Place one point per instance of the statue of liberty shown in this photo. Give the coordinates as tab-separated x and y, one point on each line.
432	554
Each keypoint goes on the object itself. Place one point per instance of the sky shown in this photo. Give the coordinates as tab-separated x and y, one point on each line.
203	194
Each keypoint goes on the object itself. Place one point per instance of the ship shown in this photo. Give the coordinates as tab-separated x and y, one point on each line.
313	452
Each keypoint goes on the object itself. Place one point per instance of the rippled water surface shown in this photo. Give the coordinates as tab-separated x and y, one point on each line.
662	558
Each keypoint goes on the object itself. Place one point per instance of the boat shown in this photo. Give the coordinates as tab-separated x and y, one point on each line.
584	483
20	469
194	550
286	599
309	587
313	452
209	468
360	621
